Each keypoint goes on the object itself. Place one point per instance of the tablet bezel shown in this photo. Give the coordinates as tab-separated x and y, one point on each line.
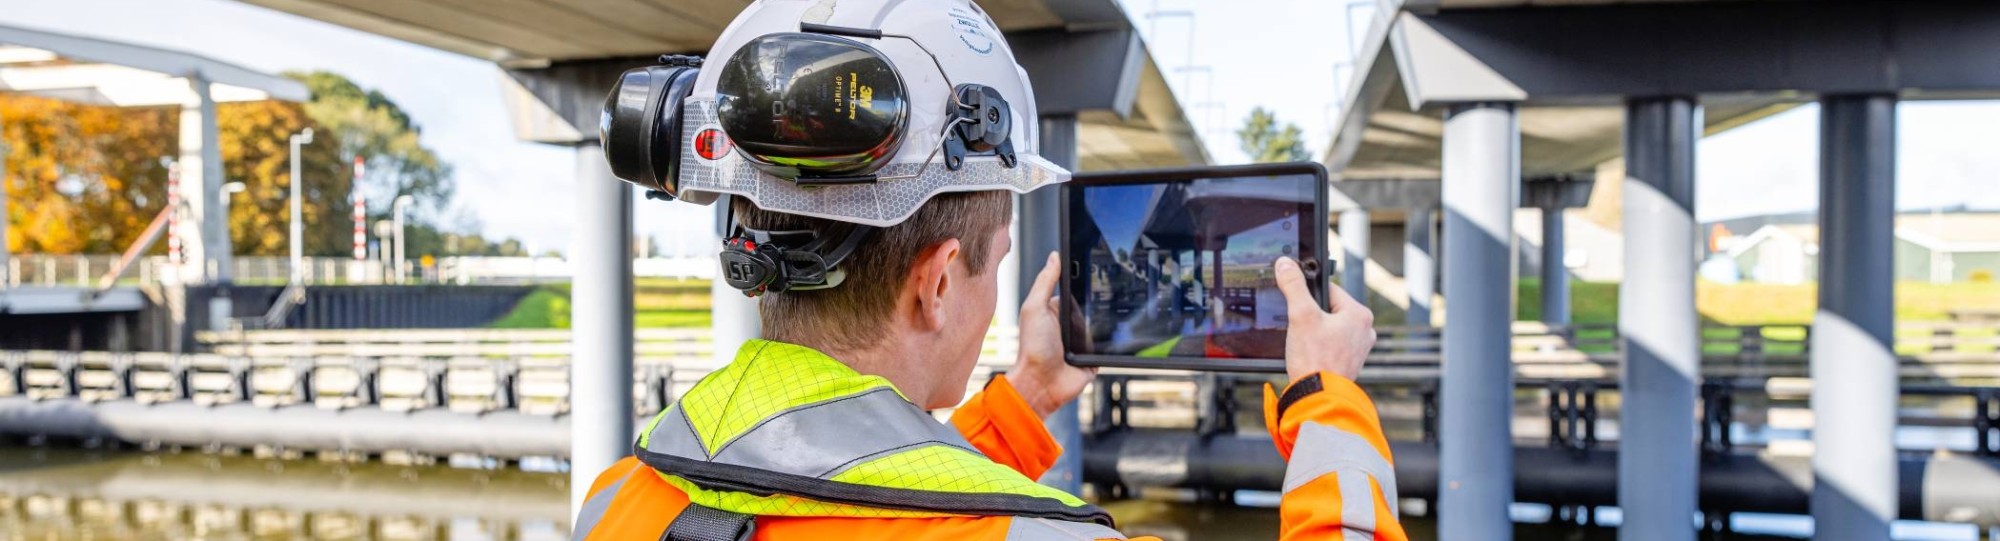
1316	234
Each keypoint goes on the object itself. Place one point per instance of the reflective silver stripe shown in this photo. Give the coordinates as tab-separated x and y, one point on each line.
1322	449
1357	503
674	436
817	440
594	508
1357	535
1042	529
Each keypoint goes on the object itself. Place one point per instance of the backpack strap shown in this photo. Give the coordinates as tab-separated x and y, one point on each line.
703	523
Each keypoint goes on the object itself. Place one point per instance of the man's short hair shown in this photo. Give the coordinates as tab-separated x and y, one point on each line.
852	314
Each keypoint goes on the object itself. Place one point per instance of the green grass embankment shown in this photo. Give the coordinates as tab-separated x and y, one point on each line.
669	303
656	303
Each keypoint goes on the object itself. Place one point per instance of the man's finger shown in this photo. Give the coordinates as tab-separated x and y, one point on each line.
1338	300
1292	283
1045	282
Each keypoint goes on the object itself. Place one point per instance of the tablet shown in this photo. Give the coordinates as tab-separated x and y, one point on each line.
1171	268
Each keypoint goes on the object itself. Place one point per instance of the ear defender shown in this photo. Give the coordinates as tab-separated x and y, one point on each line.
640	127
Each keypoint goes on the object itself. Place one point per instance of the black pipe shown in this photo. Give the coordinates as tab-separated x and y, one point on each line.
1947	487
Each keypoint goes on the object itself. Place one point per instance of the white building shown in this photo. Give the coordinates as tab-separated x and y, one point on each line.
1936	248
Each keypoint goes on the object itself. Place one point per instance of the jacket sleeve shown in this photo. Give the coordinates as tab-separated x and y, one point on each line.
1340	482
1000	424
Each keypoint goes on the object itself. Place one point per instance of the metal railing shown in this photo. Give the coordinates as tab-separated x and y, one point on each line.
44	270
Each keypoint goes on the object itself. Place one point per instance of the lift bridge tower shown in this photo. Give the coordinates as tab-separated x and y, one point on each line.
87	308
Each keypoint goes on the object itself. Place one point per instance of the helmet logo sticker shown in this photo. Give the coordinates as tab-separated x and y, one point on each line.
972	31
859	95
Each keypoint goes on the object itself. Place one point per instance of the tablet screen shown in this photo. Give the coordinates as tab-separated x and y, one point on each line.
1182	267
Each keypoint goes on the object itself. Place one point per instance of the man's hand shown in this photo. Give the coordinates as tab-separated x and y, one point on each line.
1040	374
1318	340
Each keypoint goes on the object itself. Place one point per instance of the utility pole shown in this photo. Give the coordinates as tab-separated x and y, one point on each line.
304	137
359	272
402	202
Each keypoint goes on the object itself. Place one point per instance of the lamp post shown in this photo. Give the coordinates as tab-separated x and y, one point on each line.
229	190
396	209
304	137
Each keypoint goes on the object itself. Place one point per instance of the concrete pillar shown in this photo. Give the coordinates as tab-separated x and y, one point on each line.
1656	320
205	235
1420	264
1354	253
1555	277
1853	370
600	378
1482	182
1041	234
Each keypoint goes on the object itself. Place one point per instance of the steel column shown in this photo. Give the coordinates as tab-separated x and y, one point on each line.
601	322
1420	264
1657	322
1354	253
1040	234
1853	370
205	238
1555	276
1482	180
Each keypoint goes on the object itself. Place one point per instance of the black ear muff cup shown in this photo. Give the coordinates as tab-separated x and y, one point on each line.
640	127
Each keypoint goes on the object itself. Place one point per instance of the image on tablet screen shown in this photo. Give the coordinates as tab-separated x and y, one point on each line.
1183	269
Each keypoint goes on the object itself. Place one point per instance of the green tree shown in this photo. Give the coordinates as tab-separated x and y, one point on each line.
1265	141
364	122
256	150
86	179
81	178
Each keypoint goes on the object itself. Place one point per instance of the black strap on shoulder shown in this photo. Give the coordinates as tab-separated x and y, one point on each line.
733	478
703	523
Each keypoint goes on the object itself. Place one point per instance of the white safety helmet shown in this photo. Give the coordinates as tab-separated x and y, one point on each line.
856	111
850	110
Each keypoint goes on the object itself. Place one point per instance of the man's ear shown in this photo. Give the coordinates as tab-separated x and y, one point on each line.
931	282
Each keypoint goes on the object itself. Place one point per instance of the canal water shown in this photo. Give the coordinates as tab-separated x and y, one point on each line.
61	491
64	493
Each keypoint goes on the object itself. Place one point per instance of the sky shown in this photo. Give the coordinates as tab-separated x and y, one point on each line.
1242	56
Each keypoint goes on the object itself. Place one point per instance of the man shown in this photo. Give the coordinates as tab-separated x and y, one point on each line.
876	265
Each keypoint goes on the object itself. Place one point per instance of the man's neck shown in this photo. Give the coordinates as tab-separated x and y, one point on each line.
892	359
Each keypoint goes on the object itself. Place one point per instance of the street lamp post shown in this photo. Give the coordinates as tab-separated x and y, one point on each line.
396	209
229	190
304	137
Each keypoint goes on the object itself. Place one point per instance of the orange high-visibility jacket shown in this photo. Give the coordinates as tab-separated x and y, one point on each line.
767	440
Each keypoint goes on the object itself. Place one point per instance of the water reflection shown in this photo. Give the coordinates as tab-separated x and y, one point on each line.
61	493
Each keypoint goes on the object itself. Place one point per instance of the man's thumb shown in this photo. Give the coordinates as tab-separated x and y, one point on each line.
1292	283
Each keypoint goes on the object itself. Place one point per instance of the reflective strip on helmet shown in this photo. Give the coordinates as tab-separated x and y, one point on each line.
880	204
594	508
1042	529
1322	449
